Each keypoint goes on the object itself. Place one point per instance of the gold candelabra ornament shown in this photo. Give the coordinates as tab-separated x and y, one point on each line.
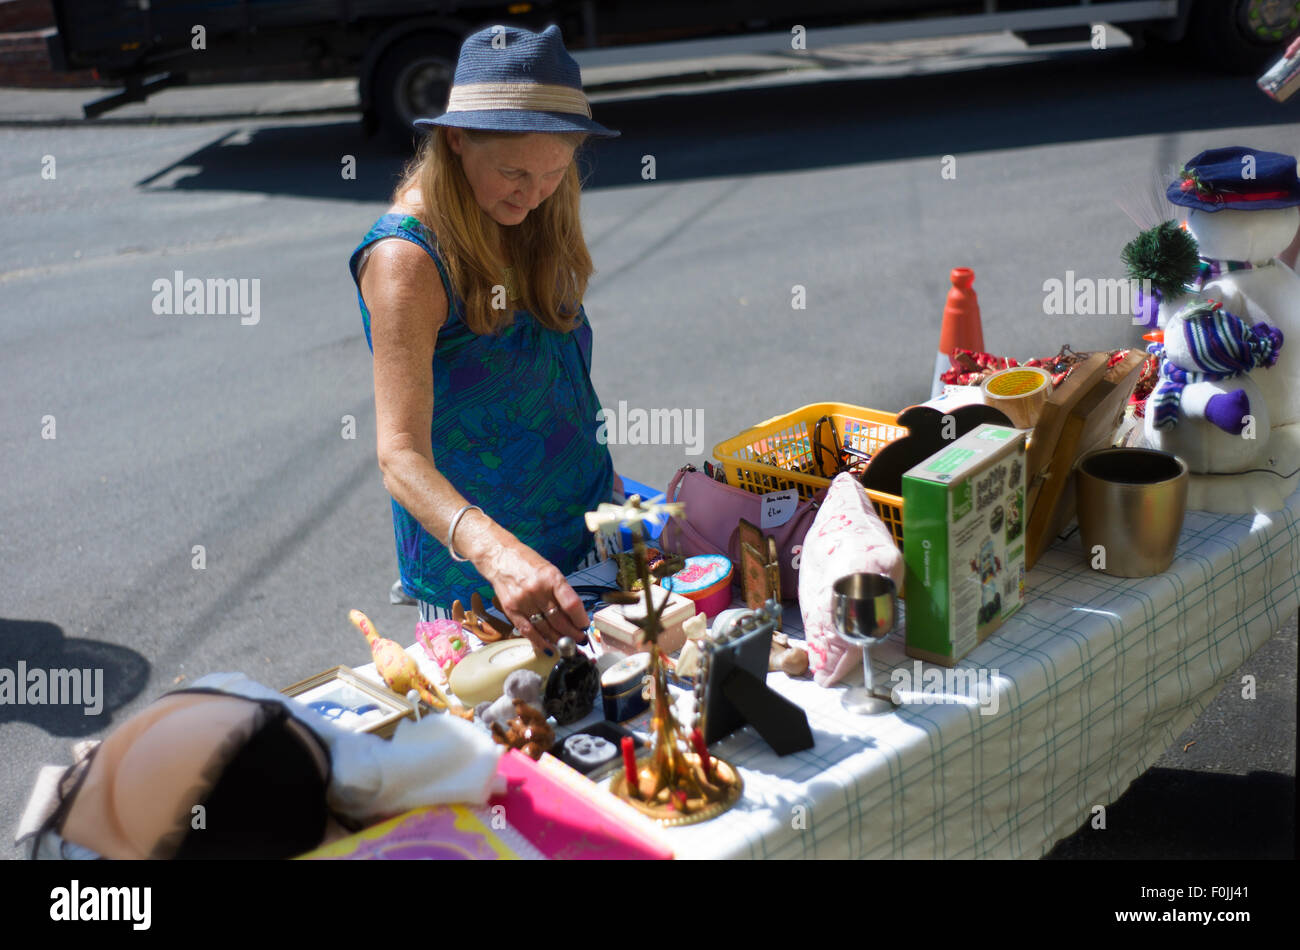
678	781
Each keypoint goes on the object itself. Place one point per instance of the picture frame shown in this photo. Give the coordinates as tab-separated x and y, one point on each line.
352	702
748	652
773	573
760	580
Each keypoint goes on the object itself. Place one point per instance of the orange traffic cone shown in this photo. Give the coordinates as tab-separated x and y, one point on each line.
961	325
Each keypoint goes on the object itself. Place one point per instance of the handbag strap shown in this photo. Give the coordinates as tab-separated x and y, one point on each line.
671	493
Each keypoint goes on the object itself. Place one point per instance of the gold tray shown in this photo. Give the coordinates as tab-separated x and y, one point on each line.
667	815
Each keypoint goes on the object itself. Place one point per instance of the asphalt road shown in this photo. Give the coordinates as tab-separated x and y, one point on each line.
173	432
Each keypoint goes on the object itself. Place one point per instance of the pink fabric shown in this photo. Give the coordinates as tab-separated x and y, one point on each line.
443	640
847	537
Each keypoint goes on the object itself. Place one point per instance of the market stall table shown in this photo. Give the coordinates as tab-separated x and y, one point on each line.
1089	683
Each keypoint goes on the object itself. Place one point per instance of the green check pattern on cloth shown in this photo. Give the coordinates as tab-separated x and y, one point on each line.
1097	677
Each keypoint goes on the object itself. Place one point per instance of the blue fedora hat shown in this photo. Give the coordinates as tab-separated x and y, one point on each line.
513	80
1244	179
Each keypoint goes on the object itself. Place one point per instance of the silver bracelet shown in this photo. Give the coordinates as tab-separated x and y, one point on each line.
451	532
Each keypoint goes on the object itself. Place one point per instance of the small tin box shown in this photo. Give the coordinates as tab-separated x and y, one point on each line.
622	686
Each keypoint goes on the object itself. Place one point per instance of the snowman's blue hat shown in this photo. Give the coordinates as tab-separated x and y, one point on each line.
1245	179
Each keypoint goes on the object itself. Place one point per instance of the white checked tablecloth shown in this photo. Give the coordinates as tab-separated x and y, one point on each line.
1095	677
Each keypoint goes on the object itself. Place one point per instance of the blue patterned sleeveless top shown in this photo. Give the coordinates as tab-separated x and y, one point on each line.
514	430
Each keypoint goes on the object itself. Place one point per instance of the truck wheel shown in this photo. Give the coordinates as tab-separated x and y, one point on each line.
411	81
1241	36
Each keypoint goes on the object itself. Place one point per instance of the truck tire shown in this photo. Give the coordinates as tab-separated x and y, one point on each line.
1241	36
411	81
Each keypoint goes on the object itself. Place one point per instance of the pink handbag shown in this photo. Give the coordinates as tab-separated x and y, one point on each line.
711	525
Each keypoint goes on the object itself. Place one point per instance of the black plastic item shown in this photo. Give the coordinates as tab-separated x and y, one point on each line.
925	436
583	757
747	652
782	724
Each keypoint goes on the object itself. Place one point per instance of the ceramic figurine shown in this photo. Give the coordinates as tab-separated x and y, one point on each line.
479	622
1207	397
787	656
572	687
1243	211
527	729
522	686
688	660
528	732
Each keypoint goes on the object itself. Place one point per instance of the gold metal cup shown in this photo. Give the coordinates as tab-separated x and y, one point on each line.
1131	503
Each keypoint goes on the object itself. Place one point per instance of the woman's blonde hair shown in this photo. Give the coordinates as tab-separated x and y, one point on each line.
546	252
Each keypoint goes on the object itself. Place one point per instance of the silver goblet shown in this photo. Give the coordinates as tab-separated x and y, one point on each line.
866	610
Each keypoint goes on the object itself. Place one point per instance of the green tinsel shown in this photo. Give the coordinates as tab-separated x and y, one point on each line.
1166	255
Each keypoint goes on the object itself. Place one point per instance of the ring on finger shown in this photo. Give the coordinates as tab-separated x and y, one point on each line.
535	619
553	610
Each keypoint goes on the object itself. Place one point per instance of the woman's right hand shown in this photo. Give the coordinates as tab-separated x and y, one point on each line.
528	585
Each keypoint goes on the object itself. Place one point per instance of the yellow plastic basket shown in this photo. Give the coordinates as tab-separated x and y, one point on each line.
777	455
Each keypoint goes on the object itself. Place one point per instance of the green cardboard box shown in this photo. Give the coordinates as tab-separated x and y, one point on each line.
964	542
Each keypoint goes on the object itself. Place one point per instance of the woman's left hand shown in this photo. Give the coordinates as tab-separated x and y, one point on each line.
534	595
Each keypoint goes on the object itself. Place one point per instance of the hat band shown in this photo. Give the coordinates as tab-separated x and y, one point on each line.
528	96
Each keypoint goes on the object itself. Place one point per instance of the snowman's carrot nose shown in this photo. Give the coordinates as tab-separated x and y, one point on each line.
1155	336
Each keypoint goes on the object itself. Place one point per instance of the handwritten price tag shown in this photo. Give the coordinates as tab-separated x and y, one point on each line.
778	508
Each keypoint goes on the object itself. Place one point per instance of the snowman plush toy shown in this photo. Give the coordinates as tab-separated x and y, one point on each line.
1229	398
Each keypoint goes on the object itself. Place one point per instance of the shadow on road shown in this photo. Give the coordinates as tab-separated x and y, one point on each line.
793	127
1179	814
99	675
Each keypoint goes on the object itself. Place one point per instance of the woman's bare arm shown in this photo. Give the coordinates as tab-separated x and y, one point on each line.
407	305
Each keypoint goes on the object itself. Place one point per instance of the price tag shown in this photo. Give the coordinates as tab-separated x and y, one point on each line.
778	507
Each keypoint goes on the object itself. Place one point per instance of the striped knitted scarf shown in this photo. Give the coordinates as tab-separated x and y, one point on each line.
1209	270
1221	345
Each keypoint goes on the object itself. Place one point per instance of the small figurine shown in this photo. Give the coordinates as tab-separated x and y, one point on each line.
528	730
688	661
399	671
1208	394
520	686
572	686
788	657
479	622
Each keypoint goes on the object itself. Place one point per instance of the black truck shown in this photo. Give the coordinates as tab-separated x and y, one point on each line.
403	52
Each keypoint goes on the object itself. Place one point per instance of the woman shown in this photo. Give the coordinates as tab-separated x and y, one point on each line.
478	271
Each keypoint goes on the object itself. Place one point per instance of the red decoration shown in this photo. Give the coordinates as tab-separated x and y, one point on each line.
629	764
697	740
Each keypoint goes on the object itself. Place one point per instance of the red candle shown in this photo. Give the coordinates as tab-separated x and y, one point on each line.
697	739
629	766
